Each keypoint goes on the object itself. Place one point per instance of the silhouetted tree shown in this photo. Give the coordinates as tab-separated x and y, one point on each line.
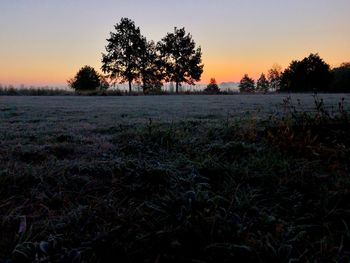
86	79
309	74
246	84
182	61
212	87
124	49
151	67
341	78
274	77
262	84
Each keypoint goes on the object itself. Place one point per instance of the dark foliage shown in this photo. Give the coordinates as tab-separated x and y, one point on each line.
274	77
212	87
262	84
341	78
311	74
87	79
247	84
124	49
182	61
151	68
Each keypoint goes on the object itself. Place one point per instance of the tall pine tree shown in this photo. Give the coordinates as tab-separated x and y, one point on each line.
262	84
246	84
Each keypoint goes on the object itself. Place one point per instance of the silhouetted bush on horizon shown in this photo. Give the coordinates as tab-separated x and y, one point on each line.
341	78
88	79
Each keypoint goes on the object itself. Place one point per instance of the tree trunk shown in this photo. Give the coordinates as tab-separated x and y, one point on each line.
129	86
177	87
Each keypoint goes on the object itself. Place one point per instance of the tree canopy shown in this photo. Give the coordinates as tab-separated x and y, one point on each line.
212	87
262	84
151	67
87	79
309	74
182	60
274	77
131	58
341	78
124	50
246	84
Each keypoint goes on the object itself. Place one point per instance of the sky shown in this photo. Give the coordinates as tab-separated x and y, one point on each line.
45	42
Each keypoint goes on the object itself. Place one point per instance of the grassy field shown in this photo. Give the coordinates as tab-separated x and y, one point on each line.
245	178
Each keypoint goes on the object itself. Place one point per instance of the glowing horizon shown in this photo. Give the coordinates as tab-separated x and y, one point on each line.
46	43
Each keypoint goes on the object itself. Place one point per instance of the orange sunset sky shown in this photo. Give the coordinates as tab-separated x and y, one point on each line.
45	42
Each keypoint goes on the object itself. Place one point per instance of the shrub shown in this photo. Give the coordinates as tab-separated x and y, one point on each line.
212	87
87	79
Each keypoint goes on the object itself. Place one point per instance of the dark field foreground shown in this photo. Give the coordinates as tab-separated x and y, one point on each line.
175	179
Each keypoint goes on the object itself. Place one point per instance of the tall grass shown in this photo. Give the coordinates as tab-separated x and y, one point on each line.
190	191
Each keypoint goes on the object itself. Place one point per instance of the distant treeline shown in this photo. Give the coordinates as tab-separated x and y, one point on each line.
47	91
312	74
10	90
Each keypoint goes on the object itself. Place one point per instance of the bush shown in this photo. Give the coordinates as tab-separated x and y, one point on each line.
87	79
341	78
212	87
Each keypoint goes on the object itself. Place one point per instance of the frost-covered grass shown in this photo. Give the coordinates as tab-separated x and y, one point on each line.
255	178
106	111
